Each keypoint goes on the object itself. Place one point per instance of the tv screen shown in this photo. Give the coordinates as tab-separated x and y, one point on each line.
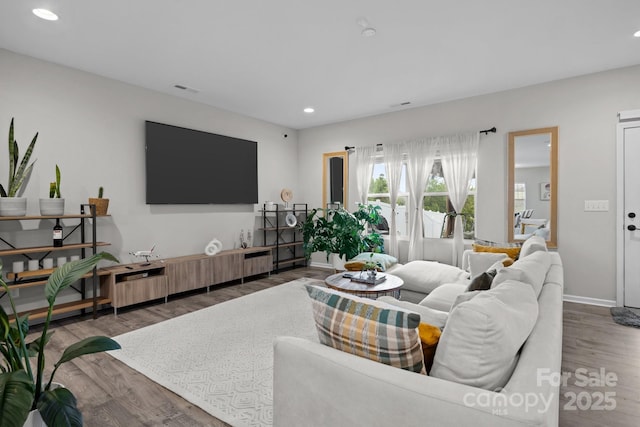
186	166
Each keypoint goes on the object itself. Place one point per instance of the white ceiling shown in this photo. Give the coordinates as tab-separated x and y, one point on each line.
270	59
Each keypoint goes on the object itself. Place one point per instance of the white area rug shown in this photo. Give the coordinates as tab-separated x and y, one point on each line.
221	358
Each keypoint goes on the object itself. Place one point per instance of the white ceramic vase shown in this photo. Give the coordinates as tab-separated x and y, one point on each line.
51	207
13	206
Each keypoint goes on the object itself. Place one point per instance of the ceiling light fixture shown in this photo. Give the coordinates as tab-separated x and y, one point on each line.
636	34
309	110
45	14
367	28
368	32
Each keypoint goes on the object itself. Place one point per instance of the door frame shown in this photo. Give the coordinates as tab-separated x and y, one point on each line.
626	119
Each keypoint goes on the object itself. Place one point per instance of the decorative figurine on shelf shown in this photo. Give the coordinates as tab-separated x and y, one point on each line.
145	254
243	243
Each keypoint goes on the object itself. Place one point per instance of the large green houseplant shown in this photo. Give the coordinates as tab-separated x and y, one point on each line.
338	231
23	387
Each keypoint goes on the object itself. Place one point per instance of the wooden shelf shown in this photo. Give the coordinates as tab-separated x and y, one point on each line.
286	245
37	249
32	217
68	307
44	274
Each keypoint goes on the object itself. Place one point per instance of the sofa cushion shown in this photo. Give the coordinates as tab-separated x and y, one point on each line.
427	315
533	244
425	276
478	262
531	269
443	296
480	343
367	328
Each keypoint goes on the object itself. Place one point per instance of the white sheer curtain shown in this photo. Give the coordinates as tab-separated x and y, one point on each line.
364	160
458	155
420	156
393	154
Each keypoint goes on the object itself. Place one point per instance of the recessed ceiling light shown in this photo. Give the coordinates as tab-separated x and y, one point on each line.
45	14
636	34
368	32
309	110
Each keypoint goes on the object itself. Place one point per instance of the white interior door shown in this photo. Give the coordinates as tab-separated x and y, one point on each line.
630	134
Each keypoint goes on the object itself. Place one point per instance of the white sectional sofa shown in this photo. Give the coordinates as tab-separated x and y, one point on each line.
316	385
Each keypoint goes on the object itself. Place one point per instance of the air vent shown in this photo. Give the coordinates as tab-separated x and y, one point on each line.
188	89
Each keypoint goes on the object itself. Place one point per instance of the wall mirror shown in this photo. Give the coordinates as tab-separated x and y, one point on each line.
335	176
532	185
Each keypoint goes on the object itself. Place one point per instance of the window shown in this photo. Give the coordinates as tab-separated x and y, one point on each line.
436	204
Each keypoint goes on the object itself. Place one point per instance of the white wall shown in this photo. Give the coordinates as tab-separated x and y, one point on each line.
585	110
93	128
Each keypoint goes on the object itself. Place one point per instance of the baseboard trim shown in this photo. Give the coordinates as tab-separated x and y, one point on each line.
590	301
321	265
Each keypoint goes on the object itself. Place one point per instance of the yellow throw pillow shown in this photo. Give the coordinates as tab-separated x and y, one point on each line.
354	265
512	251
429	337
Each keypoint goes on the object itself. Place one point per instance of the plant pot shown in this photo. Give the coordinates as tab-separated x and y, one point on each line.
51	207
102	205
35	419
338	262
13	206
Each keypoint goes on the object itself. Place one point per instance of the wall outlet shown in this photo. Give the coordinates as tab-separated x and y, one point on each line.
596	205
15	293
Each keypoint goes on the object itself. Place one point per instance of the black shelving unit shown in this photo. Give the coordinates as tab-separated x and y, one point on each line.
284	240
28	279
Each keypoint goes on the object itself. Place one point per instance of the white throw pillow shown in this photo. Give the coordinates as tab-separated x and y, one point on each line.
481	340
479	262
531	269
425	276
427	315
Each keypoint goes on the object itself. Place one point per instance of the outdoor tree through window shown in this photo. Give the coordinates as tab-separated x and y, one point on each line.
437	221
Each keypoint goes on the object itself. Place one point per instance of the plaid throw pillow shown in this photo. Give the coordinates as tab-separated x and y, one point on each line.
367	328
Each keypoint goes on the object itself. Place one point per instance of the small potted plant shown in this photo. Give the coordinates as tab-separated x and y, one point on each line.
11	204
24	390
341	232
54	205
102	204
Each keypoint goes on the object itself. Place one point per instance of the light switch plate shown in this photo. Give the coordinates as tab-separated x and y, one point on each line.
596	205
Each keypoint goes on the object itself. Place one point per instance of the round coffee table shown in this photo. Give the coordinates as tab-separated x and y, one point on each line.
391	286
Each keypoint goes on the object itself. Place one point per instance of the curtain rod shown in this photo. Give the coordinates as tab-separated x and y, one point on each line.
486	132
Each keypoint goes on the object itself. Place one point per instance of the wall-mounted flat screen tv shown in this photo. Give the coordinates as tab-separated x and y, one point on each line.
186	166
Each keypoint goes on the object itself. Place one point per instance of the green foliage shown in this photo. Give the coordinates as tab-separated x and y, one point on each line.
18	171
22	387
341	232
54	187
100	192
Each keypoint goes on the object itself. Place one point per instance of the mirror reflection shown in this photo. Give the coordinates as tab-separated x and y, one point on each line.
334	178
532	184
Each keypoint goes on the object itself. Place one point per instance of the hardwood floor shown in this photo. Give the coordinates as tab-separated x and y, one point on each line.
112	394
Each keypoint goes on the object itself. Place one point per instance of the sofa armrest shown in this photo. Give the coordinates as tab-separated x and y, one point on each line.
316	385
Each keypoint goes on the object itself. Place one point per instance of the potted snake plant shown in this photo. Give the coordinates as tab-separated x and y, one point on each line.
11	204
25	393
54	205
